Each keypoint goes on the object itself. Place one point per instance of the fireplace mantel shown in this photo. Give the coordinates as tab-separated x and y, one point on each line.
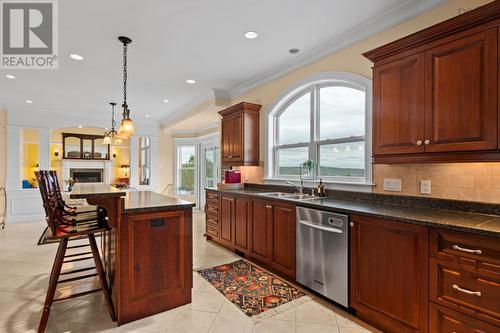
105	165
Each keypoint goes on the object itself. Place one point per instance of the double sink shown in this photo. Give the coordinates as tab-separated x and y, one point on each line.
290	196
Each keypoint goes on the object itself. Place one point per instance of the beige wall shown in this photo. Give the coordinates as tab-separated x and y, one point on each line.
457	181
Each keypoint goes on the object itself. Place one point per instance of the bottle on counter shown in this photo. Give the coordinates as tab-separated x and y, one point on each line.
321	188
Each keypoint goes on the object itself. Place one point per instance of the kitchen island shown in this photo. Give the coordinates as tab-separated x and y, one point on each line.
148	250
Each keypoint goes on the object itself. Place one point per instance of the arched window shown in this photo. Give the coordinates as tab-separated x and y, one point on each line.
324	120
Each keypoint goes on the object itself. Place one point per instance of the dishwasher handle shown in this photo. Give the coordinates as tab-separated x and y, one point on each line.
315	226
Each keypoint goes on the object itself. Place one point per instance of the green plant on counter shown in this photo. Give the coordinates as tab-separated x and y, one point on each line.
308	165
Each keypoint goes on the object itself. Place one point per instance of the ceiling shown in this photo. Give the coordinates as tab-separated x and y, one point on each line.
178	40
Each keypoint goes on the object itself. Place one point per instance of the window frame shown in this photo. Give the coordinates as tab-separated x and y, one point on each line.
142	167
313	85
178	161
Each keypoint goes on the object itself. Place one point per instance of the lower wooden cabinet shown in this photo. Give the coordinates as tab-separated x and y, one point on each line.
389	274
444	320
262	230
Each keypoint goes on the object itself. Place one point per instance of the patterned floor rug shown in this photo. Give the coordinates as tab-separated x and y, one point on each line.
254	291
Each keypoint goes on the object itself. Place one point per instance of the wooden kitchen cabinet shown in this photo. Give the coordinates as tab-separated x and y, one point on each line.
240	135
227	213
284	247
242	223
461	94
389	274
398	118
261	238
436	92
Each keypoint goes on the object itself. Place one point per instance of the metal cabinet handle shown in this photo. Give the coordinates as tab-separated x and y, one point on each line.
458	248
466	291
230	156
351	224
419	142
426	142
269	206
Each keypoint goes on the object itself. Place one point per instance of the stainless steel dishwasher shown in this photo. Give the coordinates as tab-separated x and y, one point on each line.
322	253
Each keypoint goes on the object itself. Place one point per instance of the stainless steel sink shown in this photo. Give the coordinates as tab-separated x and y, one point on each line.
291	196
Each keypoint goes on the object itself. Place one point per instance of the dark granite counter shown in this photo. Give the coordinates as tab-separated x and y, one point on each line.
429	215
91	190
150	202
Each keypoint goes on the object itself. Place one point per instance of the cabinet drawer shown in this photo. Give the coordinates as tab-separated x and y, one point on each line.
212	231
444	320
212	220
479	252
211	208
465	290
212	197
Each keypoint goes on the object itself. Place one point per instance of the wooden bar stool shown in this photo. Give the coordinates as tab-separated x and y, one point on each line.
64	230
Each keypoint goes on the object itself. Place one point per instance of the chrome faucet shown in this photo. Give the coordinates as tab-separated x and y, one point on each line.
300	187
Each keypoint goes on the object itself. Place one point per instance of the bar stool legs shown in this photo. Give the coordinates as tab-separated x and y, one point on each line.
56	272
102	276
54	276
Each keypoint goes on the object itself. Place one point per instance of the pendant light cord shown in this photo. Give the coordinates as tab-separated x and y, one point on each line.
124	74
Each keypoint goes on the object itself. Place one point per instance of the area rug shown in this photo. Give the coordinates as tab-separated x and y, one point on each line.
257	293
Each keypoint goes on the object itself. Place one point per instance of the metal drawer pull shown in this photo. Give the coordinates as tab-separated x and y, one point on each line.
458	248
470	292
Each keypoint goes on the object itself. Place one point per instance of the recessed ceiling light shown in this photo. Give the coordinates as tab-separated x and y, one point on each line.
294	51
165	101
191	81
147	116
10	76
251	35
28	101
80	126
76	56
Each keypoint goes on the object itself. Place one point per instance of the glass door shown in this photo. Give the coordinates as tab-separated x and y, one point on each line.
209	169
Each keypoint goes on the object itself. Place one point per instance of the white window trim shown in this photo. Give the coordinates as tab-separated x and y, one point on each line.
197	142
270	130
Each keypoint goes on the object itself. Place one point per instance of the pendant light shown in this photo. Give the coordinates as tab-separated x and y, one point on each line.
111	135
126	126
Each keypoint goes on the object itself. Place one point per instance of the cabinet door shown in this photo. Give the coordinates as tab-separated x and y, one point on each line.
227	139
261	231
237	138
241	224
461	94
389	274
156	263
398	106
284	239
226	220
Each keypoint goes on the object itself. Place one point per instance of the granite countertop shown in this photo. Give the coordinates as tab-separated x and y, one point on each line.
91	190
148	201
482	224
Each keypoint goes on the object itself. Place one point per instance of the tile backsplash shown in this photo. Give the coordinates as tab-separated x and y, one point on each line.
461	181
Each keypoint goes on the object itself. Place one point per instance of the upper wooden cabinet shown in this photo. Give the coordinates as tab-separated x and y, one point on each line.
240	135
436	92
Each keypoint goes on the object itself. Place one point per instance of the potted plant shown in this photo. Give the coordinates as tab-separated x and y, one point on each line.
307	168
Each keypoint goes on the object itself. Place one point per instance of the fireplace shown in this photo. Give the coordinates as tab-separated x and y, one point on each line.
87	175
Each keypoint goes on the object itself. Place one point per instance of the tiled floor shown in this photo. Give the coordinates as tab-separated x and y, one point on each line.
24	269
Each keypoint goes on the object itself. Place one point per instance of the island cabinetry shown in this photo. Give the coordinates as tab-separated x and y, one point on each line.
389	274
155	263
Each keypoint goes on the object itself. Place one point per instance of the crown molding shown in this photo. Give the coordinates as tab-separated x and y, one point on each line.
397	15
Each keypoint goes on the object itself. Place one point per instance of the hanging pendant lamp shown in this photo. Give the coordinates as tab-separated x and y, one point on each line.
111	135
127	125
